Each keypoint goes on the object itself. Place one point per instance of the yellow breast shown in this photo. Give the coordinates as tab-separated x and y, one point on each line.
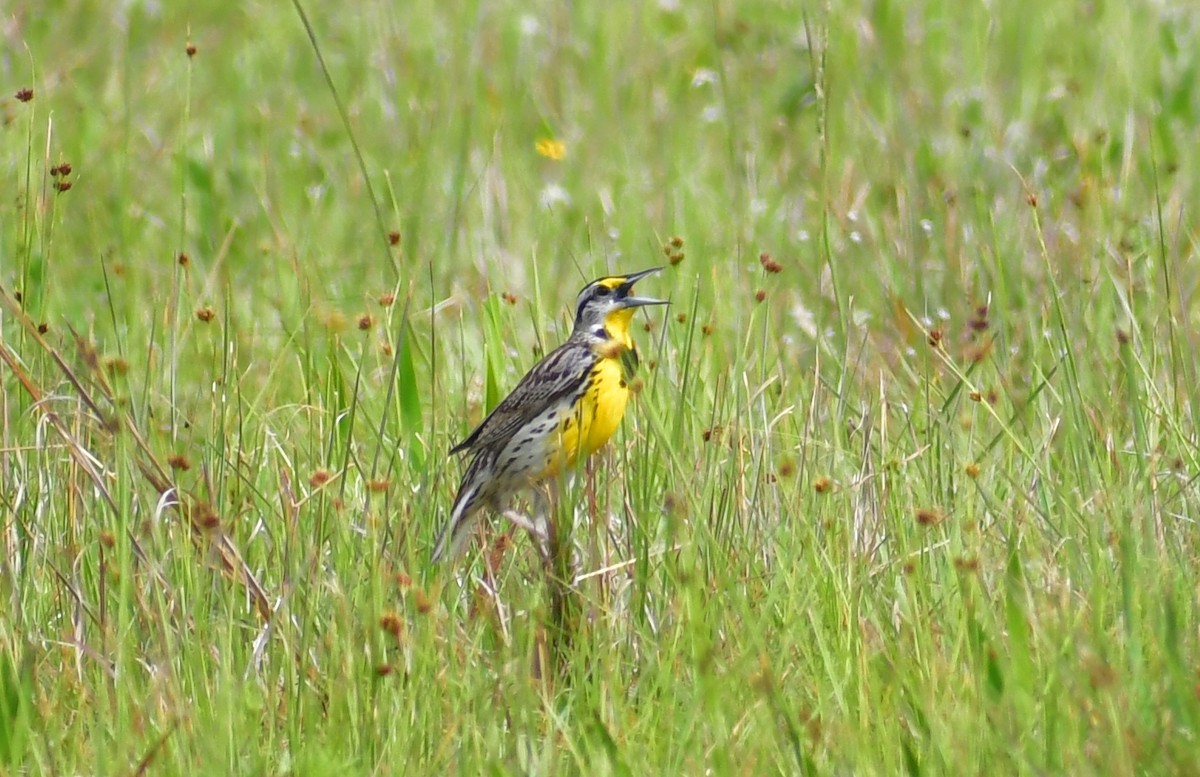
595	418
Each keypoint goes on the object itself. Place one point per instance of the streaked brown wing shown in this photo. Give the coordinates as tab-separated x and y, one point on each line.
553	378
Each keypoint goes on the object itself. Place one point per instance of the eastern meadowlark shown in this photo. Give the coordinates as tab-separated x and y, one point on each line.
561	412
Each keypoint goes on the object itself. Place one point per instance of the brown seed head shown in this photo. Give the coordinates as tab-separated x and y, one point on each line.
62	185
706	330
24	95
319	478
972	470
386	299
422	601
611	349
365	322
787	468
394	237
966	564
823	485
179	461
43	328
208	519
183	259
769	264
929	516
392	624
206	314
190	49
760	295
673	250
509	297
378	486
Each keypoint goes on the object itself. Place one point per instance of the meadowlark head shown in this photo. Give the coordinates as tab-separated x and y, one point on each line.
606	305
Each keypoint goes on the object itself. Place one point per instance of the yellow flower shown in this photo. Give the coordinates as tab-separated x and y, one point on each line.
551	148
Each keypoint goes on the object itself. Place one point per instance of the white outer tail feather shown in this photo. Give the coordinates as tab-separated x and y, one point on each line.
453	539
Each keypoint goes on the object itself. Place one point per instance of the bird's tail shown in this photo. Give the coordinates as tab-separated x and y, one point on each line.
454	535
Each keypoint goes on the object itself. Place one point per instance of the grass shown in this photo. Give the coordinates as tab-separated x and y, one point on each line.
922	502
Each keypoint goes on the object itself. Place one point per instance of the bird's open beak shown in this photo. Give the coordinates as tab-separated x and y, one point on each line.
626	287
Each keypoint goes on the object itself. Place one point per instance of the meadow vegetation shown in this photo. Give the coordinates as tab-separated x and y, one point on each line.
909	486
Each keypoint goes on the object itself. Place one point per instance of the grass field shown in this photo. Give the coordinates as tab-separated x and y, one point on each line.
922	501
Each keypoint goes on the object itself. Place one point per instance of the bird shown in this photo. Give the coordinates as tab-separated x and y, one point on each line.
563	410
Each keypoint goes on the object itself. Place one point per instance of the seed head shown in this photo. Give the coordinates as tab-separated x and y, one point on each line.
392	624
769	264
929	516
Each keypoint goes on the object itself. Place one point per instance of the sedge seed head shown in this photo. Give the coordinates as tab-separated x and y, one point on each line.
392	624
929	516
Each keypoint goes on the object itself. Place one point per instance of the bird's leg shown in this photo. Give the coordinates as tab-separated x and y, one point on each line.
589	471
535	526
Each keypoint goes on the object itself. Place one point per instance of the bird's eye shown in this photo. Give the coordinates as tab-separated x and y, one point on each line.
603	291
